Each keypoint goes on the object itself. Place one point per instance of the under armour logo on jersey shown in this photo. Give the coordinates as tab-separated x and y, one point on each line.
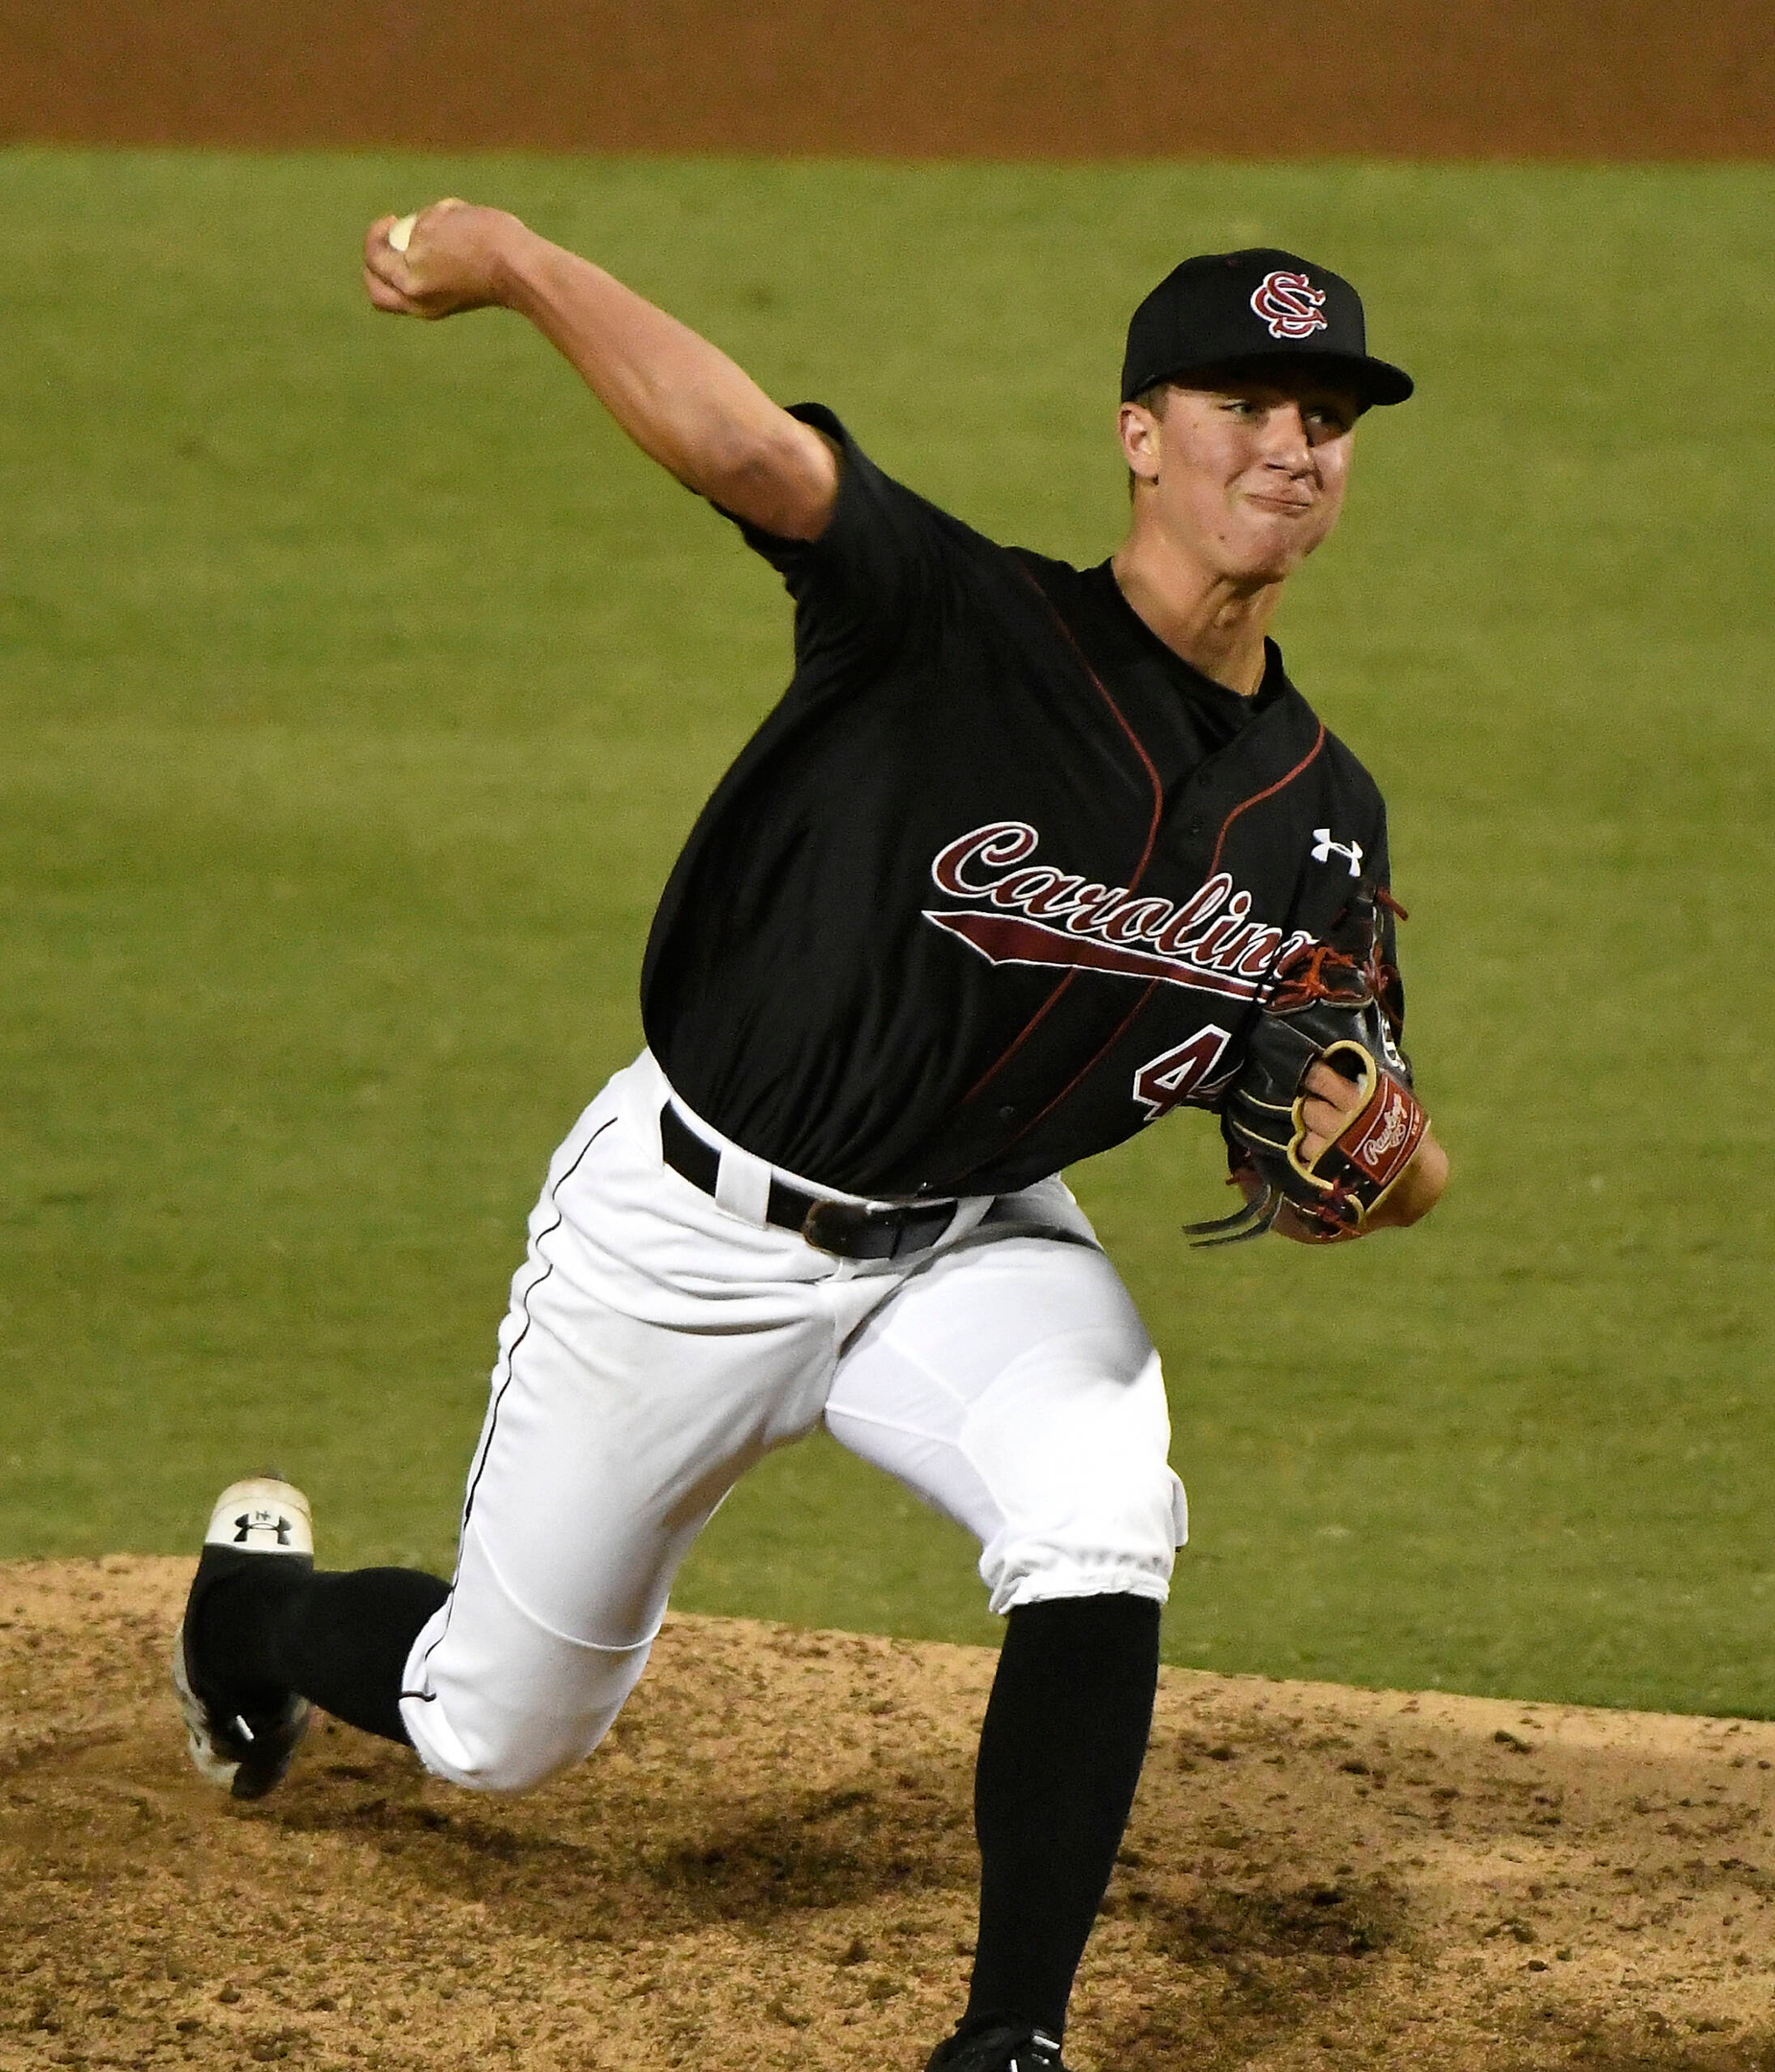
1324	849
1290	305
261	1522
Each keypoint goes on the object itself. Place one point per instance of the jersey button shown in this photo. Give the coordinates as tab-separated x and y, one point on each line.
1007	1115
1194	828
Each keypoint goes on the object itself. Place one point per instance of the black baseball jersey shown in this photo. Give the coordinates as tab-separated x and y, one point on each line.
997	881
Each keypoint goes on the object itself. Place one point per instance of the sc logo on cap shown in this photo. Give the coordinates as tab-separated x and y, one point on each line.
1290	305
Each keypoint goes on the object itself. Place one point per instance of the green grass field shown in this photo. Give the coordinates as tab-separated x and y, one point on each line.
359	683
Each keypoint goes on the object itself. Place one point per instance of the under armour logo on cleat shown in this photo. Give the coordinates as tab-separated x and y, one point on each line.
260	1521
1324	849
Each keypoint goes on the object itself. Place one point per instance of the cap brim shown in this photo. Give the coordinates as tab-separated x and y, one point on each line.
1378	381
1374	380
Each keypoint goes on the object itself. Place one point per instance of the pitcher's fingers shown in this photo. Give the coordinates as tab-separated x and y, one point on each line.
380	257
1323	1117
1321	1124
426	217
388	298
1331	1086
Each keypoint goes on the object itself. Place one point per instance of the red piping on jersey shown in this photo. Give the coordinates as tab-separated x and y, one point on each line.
1085	1070
1158	794
1041	1014
1127	1023
1256	798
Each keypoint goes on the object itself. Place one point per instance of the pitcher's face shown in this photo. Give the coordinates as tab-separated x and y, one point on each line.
1247	474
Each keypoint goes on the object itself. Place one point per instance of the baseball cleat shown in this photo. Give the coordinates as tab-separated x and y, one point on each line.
1005	2047
243	1746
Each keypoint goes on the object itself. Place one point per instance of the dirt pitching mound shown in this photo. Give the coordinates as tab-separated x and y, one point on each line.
770	1865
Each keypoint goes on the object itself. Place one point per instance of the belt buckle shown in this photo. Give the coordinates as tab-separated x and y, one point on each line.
835	1226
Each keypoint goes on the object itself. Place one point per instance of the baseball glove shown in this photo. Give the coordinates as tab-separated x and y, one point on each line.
1340	1001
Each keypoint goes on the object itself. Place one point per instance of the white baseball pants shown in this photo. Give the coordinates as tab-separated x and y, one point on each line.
659	1343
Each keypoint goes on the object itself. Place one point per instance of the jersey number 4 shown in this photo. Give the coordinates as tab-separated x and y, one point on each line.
1181	1073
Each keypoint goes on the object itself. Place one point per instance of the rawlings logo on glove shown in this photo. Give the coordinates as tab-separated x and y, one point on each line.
1340	1004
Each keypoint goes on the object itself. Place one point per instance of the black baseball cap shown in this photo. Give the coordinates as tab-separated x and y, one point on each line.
1252	306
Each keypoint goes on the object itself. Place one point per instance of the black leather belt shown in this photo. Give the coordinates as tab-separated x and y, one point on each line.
846	1229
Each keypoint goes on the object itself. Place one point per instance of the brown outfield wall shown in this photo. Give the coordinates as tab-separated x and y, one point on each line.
998	78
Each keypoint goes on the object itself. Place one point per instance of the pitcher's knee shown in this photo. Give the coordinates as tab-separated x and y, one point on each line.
489	1751
512	1740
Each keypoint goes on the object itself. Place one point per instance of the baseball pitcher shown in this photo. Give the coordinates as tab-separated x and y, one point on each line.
1026	857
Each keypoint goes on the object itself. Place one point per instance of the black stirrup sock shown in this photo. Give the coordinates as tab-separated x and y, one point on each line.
342	1639
1059	1758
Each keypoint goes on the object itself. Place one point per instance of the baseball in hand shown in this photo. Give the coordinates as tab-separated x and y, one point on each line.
401	232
